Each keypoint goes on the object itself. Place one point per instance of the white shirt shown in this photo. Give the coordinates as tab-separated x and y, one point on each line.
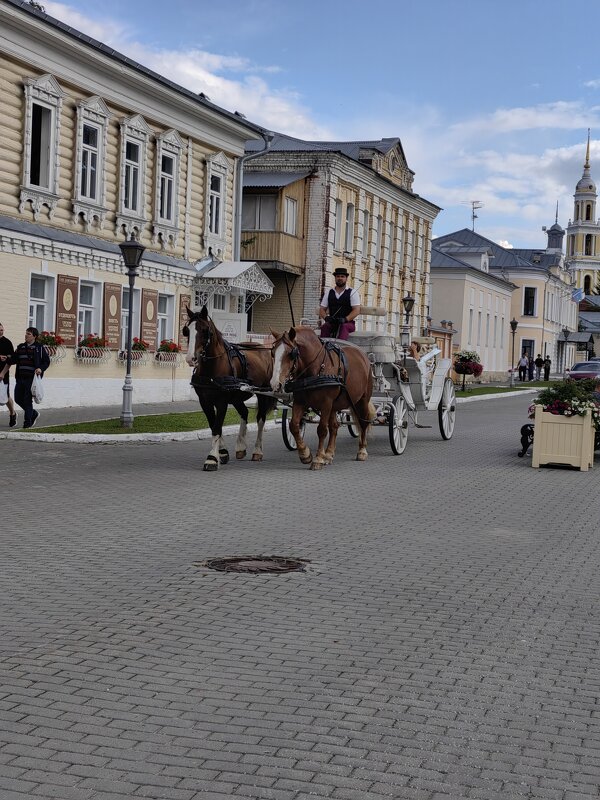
354	298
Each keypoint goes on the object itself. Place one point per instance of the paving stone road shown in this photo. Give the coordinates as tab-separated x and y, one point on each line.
442	643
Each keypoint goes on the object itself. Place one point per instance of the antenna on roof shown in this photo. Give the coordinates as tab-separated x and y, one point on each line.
475	206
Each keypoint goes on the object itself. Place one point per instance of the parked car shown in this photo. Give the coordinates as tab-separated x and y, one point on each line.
585	369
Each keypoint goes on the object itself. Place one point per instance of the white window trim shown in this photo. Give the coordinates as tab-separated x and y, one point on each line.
169	316
92	111
349	229
217	165
166	231
366	218
134	129
96	306
290	216
337	232
49	303
44	91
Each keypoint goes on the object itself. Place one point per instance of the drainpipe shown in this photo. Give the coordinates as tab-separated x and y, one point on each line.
268	136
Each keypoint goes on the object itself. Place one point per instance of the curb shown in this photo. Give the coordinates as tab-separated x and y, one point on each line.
188	436
128	438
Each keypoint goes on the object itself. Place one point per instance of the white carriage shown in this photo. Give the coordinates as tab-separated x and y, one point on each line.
408	376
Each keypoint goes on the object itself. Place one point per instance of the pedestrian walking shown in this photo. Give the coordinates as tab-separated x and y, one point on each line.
547	365
6	353
530	366
539	363
31	359
523	364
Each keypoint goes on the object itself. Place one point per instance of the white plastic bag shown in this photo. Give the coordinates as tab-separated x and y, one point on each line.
3	393
37	389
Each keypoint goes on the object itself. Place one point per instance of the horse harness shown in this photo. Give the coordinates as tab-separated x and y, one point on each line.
227	383
319	381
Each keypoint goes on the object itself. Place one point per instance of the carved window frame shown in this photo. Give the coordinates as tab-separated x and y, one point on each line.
46	92
93	112
166	231
136	130
216	165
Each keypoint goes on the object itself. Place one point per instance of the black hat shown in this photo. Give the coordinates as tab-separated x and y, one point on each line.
341	271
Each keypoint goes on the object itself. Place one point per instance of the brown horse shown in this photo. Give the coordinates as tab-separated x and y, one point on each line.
220	368
327	376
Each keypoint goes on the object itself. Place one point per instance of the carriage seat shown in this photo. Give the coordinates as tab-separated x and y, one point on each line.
381	345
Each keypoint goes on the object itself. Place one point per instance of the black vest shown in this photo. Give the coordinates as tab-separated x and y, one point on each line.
339	306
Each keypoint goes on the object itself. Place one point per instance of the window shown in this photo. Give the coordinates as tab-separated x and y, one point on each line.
502	334
259	212
487	330
134	138
218	302
41	296
529	301
337	237
164	329
87	321
167	172
589	245
165	224
587	284
135	322
588	212
89	163
495	330
470	339
131	197
390	237
217	172
90	200
400	244
365	233
379	236
290	216
43	104
349	233
576	211
479	327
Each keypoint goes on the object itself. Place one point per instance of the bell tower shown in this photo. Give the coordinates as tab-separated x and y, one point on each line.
583	231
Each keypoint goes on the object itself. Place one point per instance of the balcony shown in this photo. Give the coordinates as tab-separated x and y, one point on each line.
272	246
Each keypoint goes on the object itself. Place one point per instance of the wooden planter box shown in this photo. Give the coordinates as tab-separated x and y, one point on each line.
563	440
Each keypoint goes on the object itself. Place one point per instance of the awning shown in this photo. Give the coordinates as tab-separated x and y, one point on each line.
223	276
576	337
272	179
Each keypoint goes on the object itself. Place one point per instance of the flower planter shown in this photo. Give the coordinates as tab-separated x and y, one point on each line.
137	357
563	440
92	355
55	352
167	359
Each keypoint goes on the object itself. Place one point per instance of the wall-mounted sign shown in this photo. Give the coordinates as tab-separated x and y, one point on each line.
112	315
149	317
67	294
185	300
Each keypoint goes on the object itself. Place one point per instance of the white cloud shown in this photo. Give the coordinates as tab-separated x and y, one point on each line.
504	243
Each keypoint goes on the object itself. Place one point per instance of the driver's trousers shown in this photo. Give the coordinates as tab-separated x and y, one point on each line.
345	329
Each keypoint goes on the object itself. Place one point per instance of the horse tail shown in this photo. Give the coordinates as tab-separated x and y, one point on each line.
372	410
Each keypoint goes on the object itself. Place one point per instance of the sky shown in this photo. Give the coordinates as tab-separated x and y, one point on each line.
491	99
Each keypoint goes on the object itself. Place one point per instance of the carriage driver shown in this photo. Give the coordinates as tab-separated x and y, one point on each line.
339	307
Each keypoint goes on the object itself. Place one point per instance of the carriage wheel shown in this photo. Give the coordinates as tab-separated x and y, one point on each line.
398	424
447	409
288	439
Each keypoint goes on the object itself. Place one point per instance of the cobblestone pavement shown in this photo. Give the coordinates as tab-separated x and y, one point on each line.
442	643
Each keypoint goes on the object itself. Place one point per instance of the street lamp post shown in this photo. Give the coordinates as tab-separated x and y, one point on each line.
565	333
513	327
408	303
132	252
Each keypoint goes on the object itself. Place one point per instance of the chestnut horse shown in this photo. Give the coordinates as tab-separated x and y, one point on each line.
327	376
220	367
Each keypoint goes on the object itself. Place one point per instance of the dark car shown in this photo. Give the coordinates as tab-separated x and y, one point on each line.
585	369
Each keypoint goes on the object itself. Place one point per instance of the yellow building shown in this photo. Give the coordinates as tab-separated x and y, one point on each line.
94	148
310	207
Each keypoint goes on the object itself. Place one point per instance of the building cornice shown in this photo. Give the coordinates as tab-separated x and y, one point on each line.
18	244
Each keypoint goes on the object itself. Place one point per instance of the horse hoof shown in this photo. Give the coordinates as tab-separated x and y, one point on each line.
239	454
316	465
257	457
361	457
223	456
210	466
307	459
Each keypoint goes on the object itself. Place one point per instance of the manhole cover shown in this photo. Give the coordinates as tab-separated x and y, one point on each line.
256	564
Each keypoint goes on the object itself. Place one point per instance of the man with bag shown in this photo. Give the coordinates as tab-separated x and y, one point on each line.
32	360
6	352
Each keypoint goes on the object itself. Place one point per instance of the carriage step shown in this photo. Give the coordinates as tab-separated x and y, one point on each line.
422	426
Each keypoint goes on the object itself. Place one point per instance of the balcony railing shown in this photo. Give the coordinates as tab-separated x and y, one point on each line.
272	246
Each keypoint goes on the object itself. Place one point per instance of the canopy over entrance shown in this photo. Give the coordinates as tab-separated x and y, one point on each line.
241	278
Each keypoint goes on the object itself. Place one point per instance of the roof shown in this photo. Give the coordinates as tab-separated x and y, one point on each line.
246	275
441	259
576	337
283	143
129	62
272	179
84	241
503	257
590	320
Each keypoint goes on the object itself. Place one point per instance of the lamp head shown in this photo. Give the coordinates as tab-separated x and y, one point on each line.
513	324
408	303
566	333
132	252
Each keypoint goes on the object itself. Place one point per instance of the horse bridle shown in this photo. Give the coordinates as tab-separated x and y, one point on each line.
295	357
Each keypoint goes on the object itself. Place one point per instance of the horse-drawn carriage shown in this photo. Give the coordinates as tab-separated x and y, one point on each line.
373	379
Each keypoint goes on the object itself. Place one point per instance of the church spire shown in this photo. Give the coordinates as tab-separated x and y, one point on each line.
556	218
587	153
